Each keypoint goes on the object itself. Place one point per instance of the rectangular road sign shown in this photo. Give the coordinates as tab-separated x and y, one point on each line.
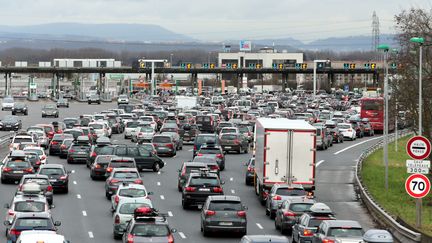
412	170
421	164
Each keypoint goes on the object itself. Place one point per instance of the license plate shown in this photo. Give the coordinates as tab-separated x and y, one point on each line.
53	180
186	133
81	152
18	172
225	223
204	189
228	147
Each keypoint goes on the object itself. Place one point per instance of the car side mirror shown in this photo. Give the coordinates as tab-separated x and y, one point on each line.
52	206
245	207
7	223
224	152
173	230
57	223
7	205
69	172
150	193
222	182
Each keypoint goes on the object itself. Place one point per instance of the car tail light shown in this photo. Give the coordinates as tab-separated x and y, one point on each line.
277	198
169	145
349	130
140	134
289	214
54	142
183	173
28	170
97	166
195	147
307	232
50	133
199	155
130	238
71	150
93	154
214	167
63	177
210	213
10	212
38	162
237	141
218	189
112	181
15	232
190	189
109	169
138	181
328	241
116	199
241	214
220	156
170	238
50	188
117	220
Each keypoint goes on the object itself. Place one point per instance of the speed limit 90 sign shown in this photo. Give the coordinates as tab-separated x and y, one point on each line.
417	186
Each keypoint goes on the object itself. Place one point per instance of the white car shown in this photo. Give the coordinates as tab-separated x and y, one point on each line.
228	130
101	128
40	151
46	236
127	117
21	138
8	103
123	99
128	191
144	133
149	119
125	212
347	131
130	128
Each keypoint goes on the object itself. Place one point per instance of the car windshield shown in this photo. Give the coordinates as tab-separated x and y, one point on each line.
345	232
121	175
132	192
51	171
290	192
23	140
29	206
50	107
198	181
229	136
129	208
161	139
206	139
147	129
209	151
149	119
300	207
225	206
8	100
20	164
33	223
150	230
96	126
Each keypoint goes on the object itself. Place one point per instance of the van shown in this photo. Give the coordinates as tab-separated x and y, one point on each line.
206	123
44	236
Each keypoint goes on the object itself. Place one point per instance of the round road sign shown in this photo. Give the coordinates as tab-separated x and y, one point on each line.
418	147
417	185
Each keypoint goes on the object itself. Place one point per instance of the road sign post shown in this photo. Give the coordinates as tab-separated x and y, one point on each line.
418	185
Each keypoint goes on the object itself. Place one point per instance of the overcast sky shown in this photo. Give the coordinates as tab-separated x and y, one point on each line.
216	20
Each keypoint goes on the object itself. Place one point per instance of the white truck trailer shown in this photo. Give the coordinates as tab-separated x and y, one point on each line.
284	153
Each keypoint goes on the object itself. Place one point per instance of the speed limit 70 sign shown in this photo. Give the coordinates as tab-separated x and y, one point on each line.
417	185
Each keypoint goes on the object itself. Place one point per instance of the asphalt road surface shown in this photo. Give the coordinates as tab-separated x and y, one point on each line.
85	212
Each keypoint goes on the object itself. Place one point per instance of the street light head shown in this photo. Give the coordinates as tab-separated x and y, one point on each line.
383	47
419	40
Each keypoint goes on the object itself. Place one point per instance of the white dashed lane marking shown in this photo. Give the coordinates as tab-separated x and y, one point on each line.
232	191
90	234
84	213
74	182
170	214
158	183
182	235
162	197
259	226
78	196
319	162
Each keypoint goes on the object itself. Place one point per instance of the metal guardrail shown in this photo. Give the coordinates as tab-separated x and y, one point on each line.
400	232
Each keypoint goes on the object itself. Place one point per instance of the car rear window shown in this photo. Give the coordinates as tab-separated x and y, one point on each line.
121	175
209	151
37	151
203	119
229	136
344	126
51	171
150	230
21	164
198	181
300	207
132	124
290	192
129	208
225	206
196	168
229	130
33	222
132	192
315	222
40	181
161	139
29	206
345	232
23	140
206	139
96	126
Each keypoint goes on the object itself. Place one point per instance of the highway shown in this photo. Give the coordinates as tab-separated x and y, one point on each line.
85	212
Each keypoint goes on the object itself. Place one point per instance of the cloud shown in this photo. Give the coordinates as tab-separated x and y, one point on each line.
218	19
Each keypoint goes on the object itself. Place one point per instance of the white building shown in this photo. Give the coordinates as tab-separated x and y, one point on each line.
265	57
86	63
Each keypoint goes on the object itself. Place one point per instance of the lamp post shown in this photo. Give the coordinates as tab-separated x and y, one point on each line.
385	48
171	59
420	41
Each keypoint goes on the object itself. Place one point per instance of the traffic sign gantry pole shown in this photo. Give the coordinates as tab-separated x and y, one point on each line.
418	148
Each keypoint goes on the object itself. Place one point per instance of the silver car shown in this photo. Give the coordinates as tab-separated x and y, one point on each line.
281	192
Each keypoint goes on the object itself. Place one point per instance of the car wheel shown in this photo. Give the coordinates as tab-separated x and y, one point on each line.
43	116
156	167
185	205
205	231
277	227
3	181
13	113
107	195
66	190
116	236
246	150
92	177
272	215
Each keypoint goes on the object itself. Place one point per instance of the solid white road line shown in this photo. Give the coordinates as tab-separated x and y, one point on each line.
78	196
84	213
259	226
319	162
90	234
170	214
162	197
182	235
354	145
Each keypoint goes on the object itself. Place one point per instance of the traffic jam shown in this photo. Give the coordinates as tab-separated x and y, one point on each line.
281	133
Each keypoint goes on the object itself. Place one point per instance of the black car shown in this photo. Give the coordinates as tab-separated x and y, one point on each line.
15	169
223	214
96	148
71	122
10	123
64	148
199	186
50	110
204	138
188	132
234	142
58	176
289	211
78	152
20	108
250	172
62	102
185	170
205	123
56	142
98	169
94	98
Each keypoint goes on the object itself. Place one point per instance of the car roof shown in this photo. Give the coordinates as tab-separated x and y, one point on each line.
224	198
266	238
294	186
28	176
125	170
301	200
131	185
196	164
41	236
343	223
51	166
34	215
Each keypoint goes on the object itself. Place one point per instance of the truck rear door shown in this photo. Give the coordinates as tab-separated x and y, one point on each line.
303	157
276	156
